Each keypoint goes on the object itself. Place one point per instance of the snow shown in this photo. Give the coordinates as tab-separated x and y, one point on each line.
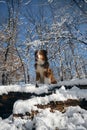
74	118
60	95
74	82
35	43
32	89
23	88
50	1
66	121
85	1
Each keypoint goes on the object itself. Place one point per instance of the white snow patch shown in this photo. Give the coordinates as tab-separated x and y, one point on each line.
60	95
75	118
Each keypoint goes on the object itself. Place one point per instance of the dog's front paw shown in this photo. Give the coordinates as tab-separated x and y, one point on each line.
37	85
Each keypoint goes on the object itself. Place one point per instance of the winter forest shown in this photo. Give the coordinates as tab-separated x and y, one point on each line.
58	26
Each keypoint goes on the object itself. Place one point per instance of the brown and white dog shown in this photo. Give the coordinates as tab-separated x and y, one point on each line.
44	74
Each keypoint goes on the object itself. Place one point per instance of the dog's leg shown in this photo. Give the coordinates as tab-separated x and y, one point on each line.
53	80
37	85
37	78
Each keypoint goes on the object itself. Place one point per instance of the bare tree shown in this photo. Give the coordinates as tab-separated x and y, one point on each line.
12	66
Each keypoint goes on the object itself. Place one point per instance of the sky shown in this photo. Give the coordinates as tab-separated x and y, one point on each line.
3	12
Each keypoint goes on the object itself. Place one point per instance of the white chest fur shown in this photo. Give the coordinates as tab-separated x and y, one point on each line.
43	79
40	69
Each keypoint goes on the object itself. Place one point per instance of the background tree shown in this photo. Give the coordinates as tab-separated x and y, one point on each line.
12	65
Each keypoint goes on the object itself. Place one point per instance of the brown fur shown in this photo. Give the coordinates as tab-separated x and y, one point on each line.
49	74
43	73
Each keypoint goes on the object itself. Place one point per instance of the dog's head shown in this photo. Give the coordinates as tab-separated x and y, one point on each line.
41	56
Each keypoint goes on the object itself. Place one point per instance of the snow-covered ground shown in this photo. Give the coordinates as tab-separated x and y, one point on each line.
74	118
44	88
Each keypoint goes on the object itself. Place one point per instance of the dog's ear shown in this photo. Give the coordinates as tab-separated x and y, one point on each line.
44	51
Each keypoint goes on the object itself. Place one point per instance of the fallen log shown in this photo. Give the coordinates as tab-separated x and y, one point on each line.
58	105
7	100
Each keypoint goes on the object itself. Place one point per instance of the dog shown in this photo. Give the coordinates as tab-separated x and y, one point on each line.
44	74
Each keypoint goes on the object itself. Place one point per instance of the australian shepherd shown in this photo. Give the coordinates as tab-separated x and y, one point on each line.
44	74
